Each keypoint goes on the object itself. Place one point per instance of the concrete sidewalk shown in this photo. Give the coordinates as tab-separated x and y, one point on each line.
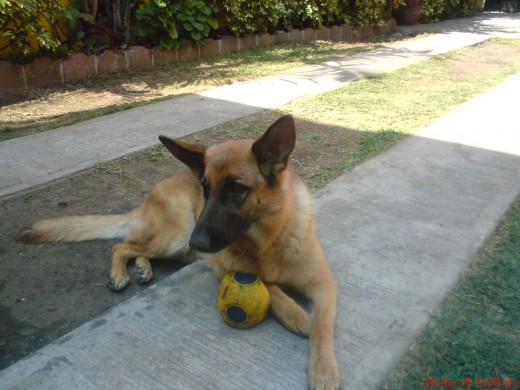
35	160
495	24
398	231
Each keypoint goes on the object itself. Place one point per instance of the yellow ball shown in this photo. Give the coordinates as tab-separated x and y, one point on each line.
243	300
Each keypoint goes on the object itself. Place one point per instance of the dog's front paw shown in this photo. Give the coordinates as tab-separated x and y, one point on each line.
143	275
118	282
323	374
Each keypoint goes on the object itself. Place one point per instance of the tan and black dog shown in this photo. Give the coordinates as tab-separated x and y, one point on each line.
242	204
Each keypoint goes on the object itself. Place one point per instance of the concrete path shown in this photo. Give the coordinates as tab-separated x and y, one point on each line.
35	160
498	25
398	230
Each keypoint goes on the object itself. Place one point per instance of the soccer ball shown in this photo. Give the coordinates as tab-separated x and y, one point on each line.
243	300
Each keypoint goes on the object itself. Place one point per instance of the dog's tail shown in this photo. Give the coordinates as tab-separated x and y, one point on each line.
76	228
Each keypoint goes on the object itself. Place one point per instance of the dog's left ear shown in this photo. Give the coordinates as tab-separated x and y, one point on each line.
272	149
190	154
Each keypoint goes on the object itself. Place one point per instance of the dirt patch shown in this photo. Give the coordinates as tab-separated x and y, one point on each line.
495	55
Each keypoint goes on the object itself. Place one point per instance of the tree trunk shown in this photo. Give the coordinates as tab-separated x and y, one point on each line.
119	14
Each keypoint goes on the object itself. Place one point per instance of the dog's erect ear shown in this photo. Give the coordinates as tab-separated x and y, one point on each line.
272	149
190	154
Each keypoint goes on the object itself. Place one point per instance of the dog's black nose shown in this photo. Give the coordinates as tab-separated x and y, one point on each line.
204	239
200	244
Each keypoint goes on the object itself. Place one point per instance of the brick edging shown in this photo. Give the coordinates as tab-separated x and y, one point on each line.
45	72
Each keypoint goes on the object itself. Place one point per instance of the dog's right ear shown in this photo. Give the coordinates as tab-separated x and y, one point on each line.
190	154
272	149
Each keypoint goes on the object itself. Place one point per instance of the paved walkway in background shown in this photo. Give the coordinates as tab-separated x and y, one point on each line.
398	230
498	25
35	160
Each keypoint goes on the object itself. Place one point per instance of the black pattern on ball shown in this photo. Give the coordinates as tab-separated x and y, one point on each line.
245	278
236	314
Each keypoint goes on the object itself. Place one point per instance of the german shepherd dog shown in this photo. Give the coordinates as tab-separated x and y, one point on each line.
241	203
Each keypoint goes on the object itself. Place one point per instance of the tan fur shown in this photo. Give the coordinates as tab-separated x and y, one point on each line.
284	249
280	242
159	228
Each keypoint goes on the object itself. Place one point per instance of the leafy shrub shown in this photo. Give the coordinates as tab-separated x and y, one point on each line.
251	17
435	10
197	19
242	16
460	8
368	12
29	27
82	34
98	24
302	13
163	22
432	10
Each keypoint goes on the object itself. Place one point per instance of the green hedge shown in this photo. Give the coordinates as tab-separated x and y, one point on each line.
435	10
240	17
164	23
98	24
161	22
27	26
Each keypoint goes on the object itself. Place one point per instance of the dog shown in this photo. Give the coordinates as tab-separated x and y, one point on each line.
241	203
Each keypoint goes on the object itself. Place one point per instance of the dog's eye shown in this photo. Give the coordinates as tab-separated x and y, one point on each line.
237	188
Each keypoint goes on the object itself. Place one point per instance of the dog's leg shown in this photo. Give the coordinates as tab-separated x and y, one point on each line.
118	274
143	270
288	312
323	369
